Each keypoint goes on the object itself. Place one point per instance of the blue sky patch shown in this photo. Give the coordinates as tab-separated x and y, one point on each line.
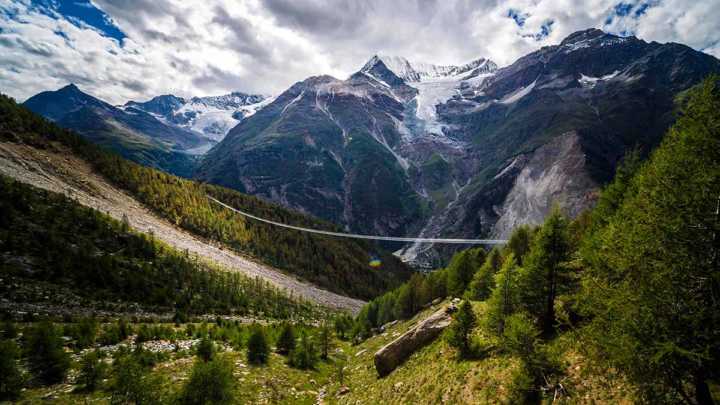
545	30
518	16
82	12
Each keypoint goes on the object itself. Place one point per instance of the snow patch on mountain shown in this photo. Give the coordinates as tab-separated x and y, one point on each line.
515	96
589	81
213	117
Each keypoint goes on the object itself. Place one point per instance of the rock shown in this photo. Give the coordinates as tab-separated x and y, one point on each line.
343	390
456	301
398	386
394	353
388	325
436	301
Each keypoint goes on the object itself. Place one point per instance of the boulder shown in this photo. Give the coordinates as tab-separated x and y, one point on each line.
394	353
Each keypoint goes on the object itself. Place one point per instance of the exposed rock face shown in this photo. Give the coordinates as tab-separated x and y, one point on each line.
555	174
436	151
394	353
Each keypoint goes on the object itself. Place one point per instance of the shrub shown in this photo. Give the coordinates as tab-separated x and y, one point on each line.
48	360
305	355
9	330
258	349
85	332
110	336
286	341
11	379
92	370
206	349
211	382
461	329
134	384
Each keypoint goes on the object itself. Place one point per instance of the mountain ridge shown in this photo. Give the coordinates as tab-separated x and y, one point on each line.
449	146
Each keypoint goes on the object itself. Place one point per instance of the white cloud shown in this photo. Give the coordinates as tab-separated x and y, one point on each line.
203	47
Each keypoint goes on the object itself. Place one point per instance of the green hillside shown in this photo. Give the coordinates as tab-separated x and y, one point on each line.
337	265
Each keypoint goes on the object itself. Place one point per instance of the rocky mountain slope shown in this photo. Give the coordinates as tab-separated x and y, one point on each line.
134	133
166	132
401	148
210	116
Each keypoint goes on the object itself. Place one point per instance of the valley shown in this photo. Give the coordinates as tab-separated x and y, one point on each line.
299	202
60	172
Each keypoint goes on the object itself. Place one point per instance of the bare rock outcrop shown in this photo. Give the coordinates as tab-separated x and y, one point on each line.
394	353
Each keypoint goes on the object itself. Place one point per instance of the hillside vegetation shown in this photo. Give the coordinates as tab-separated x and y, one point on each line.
630	288
337	265
48	238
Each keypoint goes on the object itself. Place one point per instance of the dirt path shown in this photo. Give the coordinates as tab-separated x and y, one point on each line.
64	173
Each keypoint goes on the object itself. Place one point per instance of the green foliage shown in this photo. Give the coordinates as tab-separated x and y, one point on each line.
401	303
522	338
543	276
343	324
9	330
77	246
11	378
504	299
47	358
84	332
484	279
92	371
210	382
461	269
134	384
286	341
206	349
325	341
460	331
519	242
338	265
305	355
258	349
652	280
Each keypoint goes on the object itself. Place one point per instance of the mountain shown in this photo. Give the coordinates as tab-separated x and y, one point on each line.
402	148
134	133
418	72
212	116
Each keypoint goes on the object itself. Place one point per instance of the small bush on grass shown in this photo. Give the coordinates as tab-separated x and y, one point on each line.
48	360
258	349
92	371
11	379
211	382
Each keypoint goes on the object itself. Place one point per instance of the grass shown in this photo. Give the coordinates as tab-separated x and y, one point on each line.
431	375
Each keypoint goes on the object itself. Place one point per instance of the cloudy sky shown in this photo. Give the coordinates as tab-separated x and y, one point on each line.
134	49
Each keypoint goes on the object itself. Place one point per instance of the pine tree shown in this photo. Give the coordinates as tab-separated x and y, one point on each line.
258	349
504	299
92	371
543	275
286	340
206	349
460	331
305	355
461	269
652	291
11	378
325	340
48	360
484	279
210	383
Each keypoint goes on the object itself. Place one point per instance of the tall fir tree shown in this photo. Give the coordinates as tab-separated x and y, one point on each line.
652	287
543	274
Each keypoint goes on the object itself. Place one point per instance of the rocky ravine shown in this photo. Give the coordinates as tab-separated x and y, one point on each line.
64	173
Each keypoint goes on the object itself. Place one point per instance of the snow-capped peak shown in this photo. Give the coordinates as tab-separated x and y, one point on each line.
212	116
412	72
